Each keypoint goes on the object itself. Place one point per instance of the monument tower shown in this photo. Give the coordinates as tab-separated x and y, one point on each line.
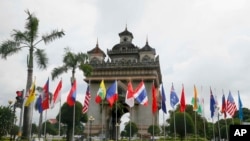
126	62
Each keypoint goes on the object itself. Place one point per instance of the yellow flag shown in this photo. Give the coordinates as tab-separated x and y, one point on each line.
195	99
32	94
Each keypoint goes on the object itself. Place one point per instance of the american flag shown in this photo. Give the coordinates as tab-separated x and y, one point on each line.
231	106
86	101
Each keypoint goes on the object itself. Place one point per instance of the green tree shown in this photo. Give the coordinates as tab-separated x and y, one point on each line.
134	129
6	120
154	130
50	128
67	117
29	39
72	61
180	124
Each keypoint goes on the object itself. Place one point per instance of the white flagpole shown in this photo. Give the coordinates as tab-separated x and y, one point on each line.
213	128
45	124
195	126
59	128
130	125
164	132
174	126
73	132
226	128
185	124
203	114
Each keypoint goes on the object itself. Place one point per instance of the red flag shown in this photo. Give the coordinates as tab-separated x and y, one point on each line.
130	95
86	101
224	106
182	101
56	95
154	101
71	99
45	98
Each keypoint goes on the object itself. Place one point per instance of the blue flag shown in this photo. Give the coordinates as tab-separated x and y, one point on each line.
240	107
163	100
173	97
212	103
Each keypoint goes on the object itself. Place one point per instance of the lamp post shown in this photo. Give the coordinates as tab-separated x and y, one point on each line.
12	117
91	119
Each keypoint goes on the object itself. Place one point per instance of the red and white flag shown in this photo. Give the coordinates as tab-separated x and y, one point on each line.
130	95
86	101
56	95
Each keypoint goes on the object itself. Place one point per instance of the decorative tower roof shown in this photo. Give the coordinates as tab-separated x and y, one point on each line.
147	48
126	33
97	50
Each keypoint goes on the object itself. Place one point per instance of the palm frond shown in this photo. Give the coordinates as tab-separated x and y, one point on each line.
20	36
8	48
82	57
86	69
52	36
32	26
58	71
70	59
41	58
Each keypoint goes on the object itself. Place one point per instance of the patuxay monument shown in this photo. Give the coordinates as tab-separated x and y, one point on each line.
125	62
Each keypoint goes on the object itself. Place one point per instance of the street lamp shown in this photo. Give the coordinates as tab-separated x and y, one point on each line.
91	119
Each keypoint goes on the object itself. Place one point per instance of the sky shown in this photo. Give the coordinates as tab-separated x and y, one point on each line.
202	43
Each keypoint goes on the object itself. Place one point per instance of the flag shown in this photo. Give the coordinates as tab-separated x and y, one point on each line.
199	107
130	95
154	99
32	94
173	97
38	105
199	110
224	106
212	103
86	101
56	95
182	101
112	95
140	94
101	94
195	103
71	99
231	106
240	107
45	97
163	100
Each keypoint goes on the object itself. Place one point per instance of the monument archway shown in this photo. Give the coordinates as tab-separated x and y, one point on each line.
126	62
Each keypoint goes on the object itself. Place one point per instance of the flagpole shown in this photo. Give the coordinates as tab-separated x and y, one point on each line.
59	128
164	132
45	124
203	114
226	128
130	125
102	117
73	132
195	125
213	127
153	128
174	125
185	124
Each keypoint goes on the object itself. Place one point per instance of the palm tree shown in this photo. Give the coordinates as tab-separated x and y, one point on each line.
29	39
73	61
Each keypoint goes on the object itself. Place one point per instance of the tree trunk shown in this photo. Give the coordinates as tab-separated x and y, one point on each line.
69	133
27	115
